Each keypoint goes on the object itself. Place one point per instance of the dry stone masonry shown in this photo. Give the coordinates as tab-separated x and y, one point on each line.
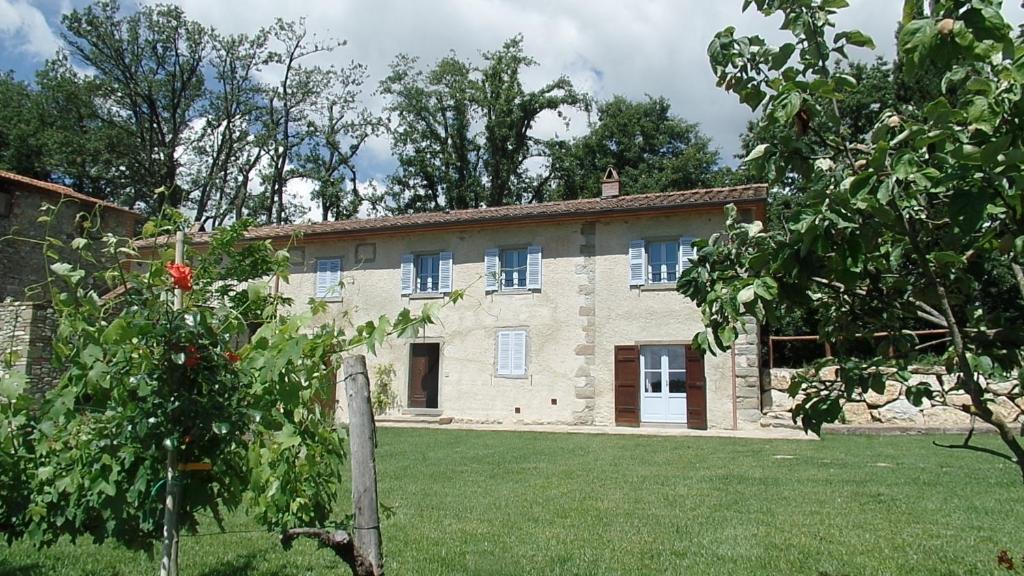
586	281
890	407
26	331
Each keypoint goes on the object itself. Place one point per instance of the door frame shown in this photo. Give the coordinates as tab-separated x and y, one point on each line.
440	374
687	347
666	395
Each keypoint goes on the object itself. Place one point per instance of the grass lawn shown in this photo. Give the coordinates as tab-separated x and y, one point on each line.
498	503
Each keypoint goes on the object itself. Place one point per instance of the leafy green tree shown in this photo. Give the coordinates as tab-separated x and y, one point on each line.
904	227
230	145
149	71
652	149
231	377
21	149
461	132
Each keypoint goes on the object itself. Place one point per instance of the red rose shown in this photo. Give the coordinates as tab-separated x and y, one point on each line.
191	357
232	357
181	275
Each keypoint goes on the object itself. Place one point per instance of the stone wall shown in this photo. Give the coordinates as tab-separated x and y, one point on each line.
26	333
891	407
24	267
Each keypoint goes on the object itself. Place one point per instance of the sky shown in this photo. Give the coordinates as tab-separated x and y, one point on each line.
607	47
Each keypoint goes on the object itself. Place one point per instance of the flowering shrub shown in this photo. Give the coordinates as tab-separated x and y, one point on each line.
231	379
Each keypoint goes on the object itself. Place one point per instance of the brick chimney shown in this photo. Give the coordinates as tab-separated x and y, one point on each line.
610	183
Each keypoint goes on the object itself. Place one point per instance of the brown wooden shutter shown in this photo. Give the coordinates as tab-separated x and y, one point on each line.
627	386
696	391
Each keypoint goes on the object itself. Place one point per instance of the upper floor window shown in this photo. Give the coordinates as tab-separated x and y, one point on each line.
662	261
428	273
659	261
513	269
508	269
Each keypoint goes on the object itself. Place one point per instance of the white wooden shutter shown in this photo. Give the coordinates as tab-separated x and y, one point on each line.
444	273
636	262
518	353
328	278
686	253
407	274
491	269
504	353
533	267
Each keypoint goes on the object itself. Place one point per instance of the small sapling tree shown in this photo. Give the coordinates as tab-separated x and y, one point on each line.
228	381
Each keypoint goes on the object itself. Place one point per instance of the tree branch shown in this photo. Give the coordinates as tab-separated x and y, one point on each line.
339	542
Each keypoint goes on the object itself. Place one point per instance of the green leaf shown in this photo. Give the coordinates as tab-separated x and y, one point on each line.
786	106
757	152
948	258
856	38
746	294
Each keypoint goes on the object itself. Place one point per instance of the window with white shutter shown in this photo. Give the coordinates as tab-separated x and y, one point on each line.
659	261
492	269
534	263
636	262
511	353
686	253
328	278
427	273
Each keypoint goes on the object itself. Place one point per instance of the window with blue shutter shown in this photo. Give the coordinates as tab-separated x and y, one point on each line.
328	278
427	273
513	269
659	261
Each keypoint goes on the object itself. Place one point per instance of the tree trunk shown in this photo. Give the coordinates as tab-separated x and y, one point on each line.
364	468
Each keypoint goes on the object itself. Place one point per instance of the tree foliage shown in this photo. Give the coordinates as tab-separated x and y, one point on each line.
902	227
652	149
461	132
235	378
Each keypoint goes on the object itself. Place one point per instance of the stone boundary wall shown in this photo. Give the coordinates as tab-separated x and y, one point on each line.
26	331
891	408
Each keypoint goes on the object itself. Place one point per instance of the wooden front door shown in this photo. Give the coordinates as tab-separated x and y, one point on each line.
424	362
627	386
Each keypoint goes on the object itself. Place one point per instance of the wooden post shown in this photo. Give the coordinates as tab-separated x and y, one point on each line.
172	500
364	467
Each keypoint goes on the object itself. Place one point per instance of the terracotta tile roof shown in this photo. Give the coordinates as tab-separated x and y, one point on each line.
570	209
58	189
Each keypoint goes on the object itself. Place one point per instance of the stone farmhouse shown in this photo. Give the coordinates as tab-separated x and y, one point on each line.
26	324
20	201
570	314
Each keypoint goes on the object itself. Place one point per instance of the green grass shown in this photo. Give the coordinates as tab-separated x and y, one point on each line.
499	503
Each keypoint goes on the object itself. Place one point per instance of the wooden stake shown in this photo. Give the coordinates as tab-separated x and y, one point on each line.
364	468
172	500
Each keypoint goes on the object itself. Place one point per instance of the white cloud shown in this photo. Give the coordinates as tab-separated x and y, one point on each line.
606	47
23	29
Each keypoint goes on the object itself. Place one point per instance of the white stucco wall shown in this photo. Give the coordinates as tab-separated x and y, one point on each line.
584	310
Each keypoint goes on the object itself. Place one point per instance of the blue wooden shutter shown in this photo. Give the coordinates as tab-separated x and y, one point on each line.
444	273
534	277
636	262
491	269
686	253
328	278
407	274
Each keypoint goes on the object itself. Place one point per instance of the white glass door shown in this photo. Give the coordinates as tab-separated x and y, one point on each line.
662	384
